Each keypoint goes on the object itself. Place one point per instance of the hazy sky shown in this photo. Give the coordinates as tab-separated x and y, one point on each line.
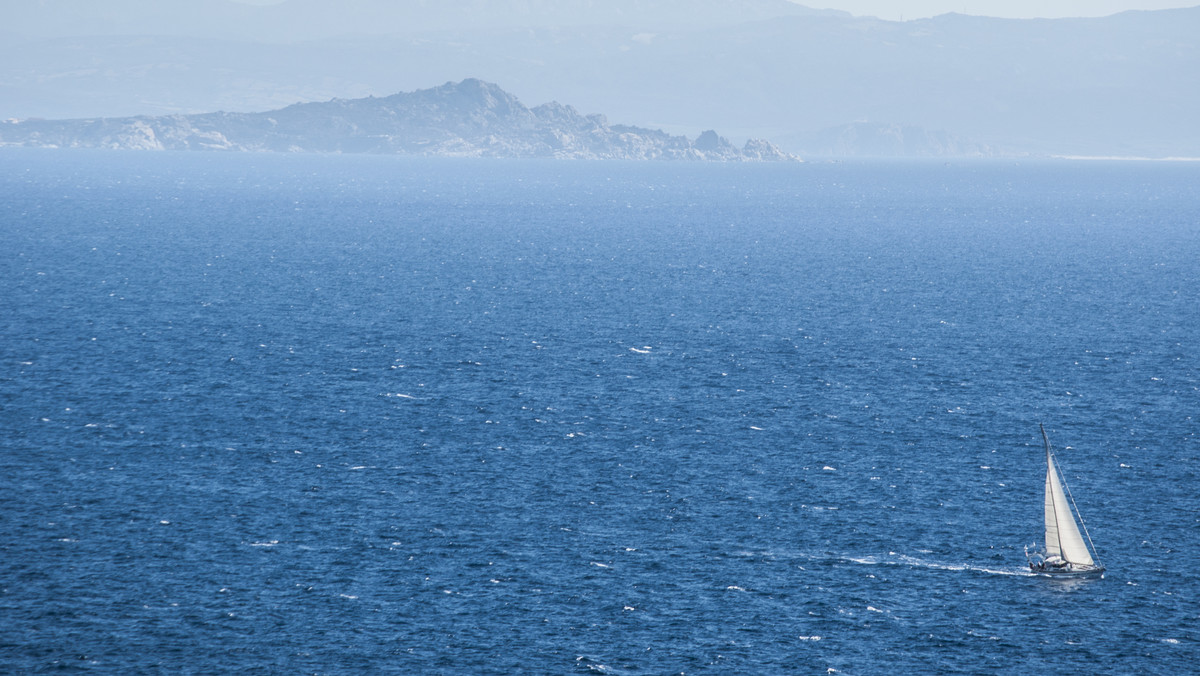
895	10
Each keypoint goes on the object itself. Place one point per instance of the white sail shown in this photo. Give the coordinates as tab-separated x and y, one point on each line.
1062	535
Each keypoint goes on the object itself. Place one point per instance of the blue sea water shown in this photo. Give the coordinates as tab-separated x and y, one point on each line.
308	414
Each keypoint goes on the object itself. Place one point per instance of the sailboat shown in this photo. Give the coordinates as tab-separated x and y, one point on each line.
1066	553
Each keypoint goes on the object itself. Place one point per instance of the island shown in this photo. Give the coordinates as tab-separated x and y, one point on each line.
471	118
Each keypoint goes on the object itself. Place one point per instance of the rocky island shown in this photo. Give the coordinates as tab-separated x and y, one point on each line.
471	118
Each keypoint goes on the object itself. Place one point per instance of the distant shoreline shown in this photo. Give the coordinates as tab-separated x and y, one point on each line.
1123	158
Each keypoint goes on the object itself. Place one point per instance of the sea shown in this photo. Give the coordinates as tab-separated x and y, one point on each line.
308	414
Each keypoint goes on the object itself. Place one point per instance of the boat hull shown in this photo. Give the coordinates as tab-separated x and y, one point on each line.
1068	572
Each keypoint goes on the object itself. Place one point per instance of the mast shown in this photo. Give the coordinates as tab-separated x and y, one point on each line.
1053	548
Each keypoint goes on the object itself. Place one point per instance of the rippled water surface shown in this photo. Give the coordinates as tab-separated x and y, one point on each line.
357	415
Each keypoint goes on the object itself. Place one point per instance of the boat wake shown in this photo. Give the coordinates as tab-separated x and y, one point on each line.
894	559
937	565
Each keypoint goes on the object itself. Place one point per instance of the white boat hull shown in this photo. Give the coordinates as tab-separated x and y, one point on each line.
1069	570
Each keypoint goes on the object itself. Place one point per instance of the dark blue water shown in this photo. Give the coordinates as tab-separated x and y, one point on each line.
284	414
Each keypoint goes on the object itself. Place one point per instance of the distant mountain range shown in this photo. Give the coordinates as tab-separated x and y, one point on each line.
815	82
471	118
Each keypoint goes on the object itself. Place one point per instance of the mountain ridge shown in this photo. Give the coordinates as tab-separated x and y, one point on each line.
813	82
471	118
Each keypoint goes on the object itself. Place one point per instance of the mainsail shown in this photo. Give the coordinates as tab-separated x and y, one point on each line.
1063	539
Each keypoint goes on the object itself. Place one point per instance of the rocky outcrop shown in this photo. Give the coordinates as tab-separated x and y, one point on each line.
471	118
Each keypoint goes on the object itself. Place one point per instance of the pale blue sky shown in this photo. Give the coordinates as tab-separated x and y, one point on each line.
898	10
895	10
